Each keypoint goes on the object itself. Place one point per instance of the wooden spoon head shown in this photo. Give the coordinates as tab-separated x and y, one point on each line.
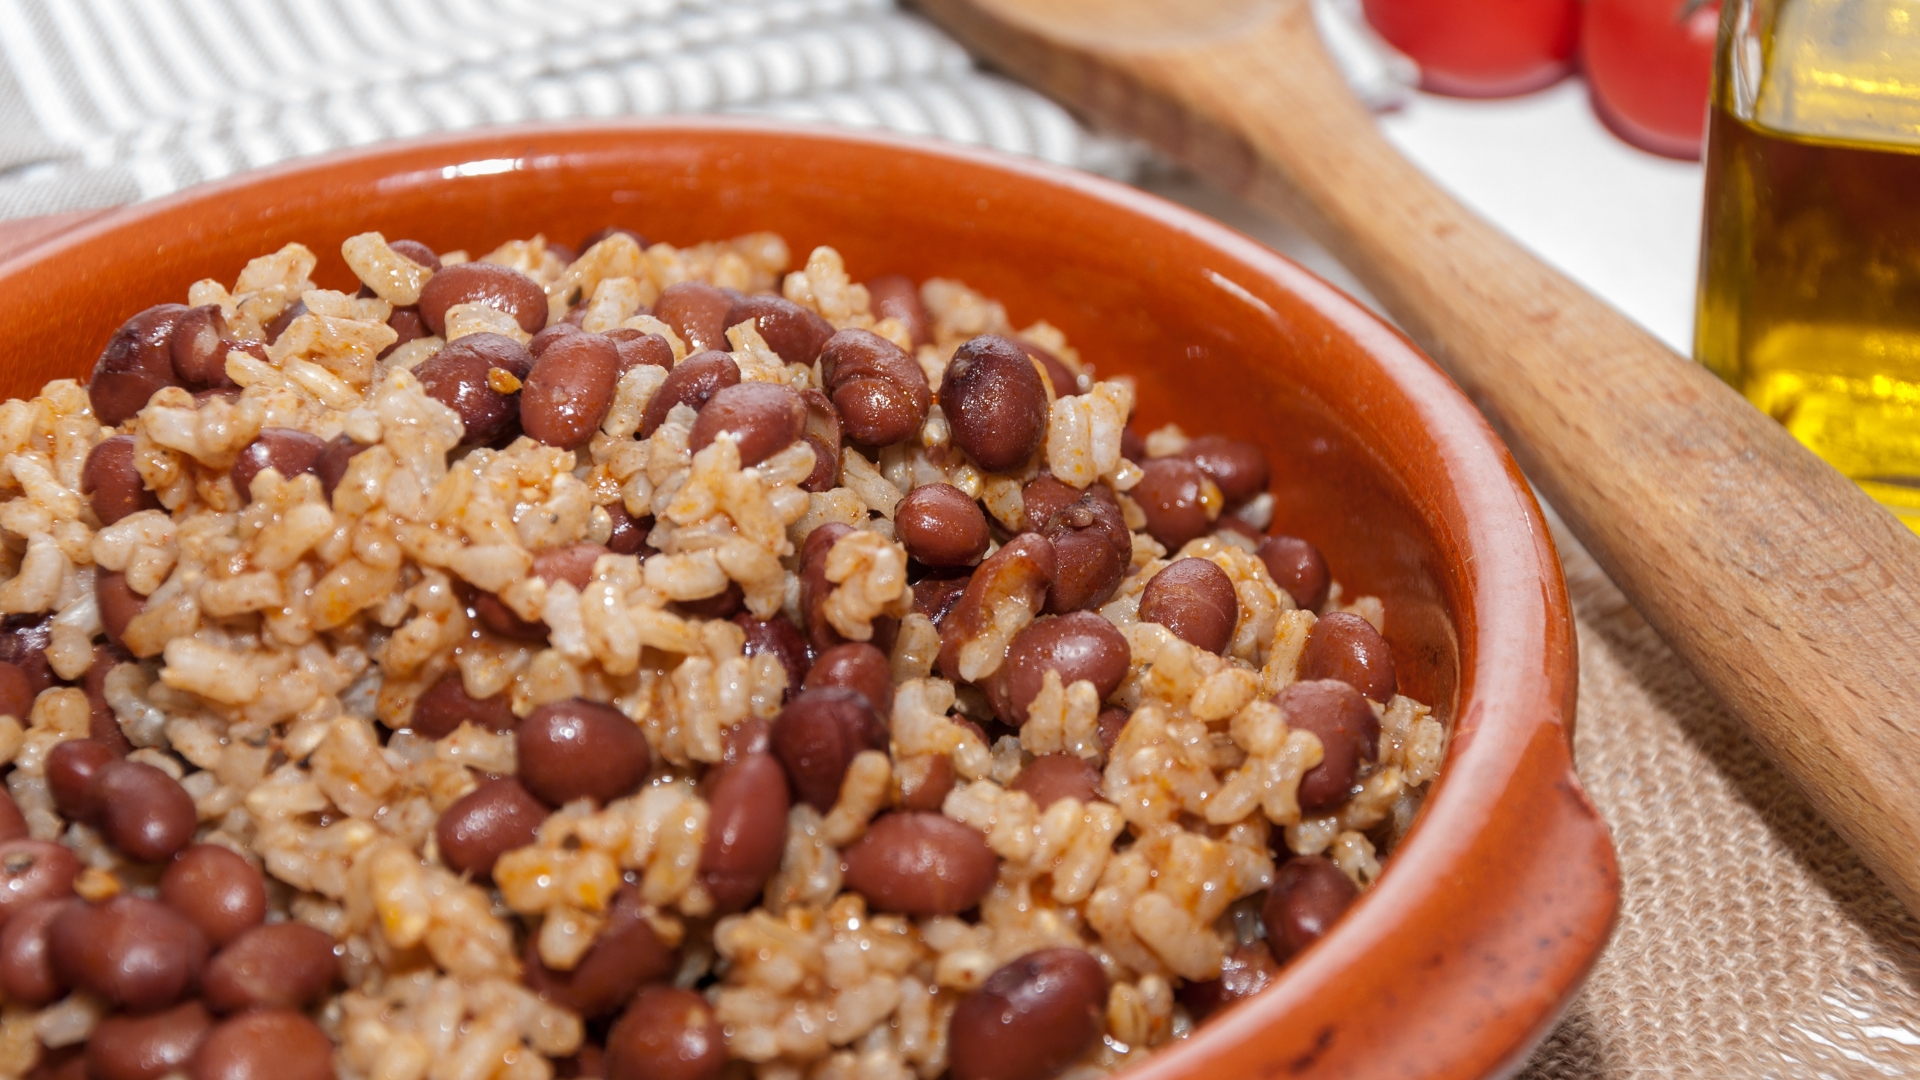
1129	25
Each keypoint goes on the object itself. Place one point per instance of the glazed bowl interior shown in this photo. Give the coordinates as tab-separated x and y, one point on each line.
1493	909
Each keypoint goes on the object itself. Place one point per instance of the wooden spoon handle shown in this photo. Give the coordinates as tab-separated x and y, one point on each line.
1791	594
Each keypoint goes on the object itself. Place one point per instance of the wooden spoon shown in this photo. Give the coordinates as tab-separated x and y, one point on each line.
1791	594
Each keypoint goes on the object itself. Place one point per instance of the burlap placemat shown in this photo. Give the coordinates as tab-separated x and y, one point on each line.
1752	942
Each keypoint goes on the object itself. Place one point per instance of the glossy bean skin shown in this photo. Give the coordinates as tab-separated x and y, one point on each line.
919	863
1051	777
1112	722
780	638
746	829
818	735
822	433
1062	377
32	871
1308	895
70	769
220	892
270	1044
1248	969
500	287
23	643
894	296
486	823
137	362
1093	550
102	724
440	711
1345	646
880	393
625	955
288	451
147	1047
138	954
569	390
16	695
995	403
692	383
814	586
112	482
537	345
1194	599
331	468
580	749
1299	568
934	597
1030	1019
118	603
666	1034
1171	496
698	313
1044	496
13	824
940	526
571	563
789	329
1081	645
637	348
416	252
279	323
501	619
1023	570
456	377
26	964
1348	731
629	536
860	667
724	604
285	965
925	781
145	813
408	325
199	346
1237	467
765	418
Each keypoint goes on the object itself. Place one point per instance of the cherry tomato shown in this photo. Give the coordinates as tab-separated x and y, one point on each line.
1481	48
1650	66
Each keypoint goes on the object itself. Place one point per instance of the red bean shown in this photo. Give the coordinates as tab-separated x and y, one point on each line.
571	563
580	749
1194	599
934	597
765	418
288	451
440	711
118	603
501	619
26	965
32	871
1093	550
286	965
1132	446
639	349
220	892
537	346
823	435
1052	777
569	390
1112	722
814	586
692	383
138	954
282	321
629	536
13	824
893	296
408	325
1348	732
1065	382
789	329
995	403
1299	568
920	864
1248	969
16	695
61	1063
499	287
941	526
1078	646
587	1063
137	361
859	667
818	735
147	1047
1237	467
667	1034
23	643
114	483
486	823
1345	646
1022	571
1030	1019
778	637
1308	895
722	605
70	769
925	780
416	252
102	724
746	829
1043	497
272	1044
199	347
880	392
698	313
144	813
1169	494
625	955
457	377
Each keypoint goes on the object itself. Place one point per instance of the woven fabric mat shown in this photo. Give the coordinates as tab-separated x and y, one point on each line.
1752	942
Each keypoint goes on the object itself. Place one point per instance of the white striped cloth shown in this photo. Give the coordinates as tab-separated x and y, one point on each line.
107	101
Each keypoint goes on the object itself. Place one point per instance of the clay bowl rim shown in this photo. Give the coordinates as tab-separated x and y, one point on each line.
1513	721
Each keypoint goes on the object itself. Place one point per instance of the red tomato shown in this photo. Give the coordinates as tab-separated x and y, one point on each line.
1481	48
1650	66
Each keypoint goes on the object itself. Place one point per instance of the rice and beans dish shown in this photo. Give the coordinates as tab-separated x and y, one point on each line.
653	664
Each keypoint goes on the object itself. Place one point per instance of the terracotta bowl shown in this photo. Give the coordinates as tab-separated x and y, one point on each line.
1493	910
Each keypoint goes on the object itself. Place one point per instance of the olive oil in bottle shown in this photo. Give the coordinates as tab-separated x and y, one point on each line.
1810	266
